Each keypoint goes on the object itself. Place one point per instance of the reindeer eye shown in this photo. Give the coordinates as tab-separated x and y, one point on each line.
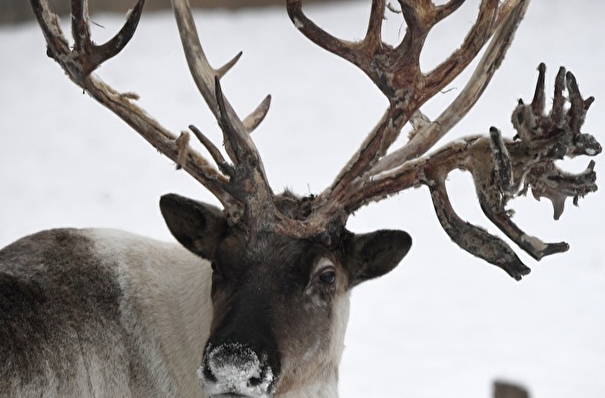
213	266
328	276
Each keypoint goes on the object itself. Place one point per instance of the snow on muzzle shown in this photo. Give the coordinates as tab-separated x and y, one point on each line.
235	370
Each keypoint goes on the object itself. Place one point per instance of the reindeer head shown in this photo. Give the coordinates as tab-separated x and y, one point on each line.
280	303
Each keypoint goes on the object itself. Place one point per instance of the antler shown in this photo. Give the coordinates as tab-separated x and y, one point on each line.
396	72
80	61
502	169
241	186
247	182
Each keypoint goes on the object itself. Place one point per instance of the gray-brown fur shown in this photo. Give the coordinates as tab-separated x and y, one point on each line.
59	306
73	321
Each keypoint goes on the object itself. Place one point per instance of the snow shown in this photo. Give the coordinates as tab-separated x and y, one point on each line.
443	323
234	365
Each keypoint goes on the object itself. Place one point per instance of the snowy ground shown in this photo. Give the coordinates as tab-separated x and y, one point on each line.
443	324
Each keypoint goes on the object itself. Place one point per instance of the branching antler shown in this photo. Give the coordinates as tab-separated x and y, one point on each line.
396	72
85	57
502	169
241	187
514	166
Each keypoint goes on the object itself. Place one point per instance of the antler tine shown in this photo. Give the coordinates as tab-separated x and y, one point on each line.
576	111
214	152
56	42
473	239
557	113
252	121
373	38
539	101
445	10
80	29
319	36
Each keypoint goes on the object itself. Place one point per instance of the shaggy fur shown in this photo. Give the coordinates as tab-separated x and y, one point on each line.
98	313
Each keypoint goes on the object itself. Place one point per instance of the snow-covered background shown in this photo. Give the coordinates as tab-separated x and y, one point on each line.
443	324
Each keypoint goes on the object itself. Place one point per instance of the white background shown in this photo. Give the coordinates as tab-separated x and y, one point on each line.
443	324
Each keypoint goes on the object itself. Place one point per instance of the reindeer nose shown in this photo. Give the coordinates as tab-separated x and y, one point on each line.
233	368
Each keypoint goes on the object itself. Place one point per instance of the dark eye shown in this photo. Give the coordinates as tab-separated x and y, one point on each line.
213	266
328	276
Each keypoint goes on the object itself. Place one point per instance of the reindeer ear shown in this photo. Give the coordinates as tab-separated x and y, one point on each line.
197	226
375	254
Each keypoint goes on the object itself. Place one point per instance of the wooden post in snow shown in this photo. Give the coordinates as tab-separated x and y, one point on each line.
507	390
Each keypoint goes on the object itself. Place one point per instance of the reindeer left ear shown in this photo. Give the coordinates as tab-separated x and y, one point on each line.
197	226
374	254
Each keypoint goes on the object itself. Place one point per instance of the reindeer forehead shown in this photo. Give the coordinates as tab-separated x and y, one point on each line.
272	252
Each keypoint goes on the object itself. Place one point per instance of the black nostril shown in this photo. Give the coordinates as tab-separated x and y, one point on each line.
208	375
265	375
254	381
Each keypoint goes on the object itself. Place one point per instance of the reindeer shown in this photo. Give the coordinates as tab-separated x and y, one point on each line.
254	300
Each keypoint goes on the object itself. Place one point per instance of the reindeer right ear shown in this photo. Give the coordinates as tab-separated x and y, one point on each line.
375	254
197	226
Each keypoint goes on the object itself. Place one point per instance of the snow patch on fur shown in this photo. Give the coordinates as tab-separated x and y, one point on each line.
237	370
